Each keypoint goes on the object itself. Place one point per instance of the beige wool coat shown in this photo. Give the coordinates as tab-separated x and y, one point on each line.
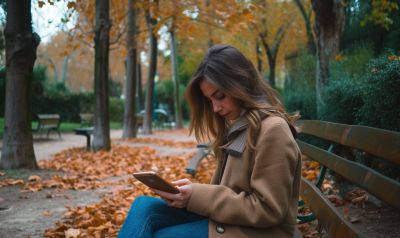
258	190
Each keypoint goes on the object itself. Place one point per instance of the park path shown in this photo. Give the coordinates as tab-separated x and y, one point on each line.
45	148
29	214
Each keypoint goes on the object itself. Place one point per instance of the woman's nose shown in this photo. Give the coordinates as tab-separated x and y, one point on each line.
216	107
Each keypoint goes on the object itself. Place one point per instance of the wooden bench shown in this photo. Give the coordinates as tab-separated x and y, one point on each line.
86	119
49	122
363	141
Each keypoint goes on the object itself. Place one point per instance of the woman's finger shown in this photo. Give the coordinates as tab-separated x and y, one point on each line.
181	182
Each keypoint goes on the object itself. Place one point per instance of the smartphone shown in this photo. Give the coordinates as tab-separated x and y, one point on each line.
153	180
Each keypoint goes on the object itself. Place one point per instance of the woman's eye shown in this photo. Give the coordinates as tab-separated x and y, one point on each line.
220	96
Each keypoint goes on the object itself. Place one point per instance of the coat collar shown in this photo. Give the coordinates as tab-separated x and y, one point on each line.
237	135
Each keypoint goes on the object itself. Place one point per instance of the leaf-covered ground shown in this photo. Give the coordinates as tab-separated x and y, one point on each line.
84	170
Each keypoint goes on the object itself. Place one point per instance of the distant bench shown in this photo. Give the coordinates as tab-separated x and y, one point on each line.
49	122
87	132
362	140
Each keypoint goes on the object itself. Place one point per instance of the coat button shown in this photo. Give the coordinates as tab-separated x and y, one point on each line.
220	229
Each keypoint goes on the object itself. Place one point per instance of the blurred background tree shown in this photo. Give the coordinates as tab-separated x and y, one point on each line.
64	68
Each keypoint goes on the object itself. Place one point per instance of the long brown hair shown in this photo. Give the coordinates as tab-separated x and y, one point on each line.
235	75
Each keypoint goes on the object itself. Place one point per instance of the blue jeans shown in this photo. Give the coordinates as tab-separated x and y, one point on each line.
151	217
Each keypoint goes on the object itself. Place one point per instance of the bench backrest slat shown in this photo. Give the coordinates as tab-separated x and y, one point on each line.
381	186
379	142
335	224
48	121
48	116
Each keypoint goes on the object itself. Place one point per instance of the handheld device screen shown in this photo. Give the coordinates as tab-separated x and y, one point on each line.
153	180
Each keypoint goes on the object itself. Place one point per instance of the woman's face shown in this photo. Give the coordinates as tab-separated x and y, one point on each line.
225	105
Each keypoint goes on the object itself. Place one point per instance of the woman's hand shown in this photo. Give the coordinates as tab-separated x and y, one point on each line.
179	200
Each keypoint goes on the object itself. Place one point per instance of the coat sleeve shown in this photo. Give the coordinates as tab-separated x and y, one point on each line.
276	158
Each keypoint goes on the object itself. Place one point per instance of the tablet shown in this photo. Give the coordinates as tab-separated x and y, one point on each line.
153	180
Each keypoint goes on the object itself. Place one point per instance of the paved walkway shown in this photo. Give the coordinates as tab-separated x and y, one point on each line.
45	148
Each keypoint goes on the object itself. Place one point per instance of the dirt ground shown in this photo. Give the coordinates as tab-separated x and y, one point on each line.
29	214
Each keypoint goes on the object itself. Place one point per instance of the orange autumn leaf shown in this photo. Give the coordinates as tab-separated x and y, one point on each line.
34	178
71	5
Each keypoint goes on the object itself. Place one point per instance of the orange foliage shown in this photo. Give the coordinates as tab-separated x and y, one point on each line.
91	170
104	219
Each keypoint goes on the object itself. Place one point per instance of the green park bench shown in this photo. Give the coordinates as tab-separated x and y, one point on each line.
48	122
162	120
361	140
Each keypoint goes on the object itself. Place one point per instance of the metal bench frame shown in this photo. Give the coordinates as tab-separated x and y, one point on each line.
49	122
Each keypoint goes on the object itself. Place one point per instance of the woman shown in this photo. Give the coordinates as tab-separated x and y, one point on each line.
255	188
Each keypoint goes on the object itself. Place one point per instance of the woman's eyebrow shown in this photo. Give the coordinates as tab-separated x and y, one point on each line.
212	94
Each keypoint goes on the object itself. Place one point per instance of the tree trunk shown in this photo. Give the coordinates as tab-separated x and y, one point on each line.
139	85
259	56
272	51
210	41
175	77
129	127
329	23
101	134
21	45
307	22
147	120
64	69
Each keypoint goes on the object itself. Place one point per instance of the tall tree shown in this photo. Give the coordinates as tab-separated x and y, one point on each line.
306	14
101	73
175	75
129	127
139	85
276	32
21	46
329	23
272	50
151	20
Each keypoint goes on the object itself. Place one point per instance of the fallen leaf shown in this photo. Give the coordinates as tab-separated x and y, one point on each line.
34	178
72	233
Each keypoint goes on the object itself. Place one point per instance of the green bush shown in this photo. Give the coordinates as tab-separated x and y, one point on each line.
342	96
342	99
299	91
380	93
116	109
302	101
2	90
68	106
353	63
